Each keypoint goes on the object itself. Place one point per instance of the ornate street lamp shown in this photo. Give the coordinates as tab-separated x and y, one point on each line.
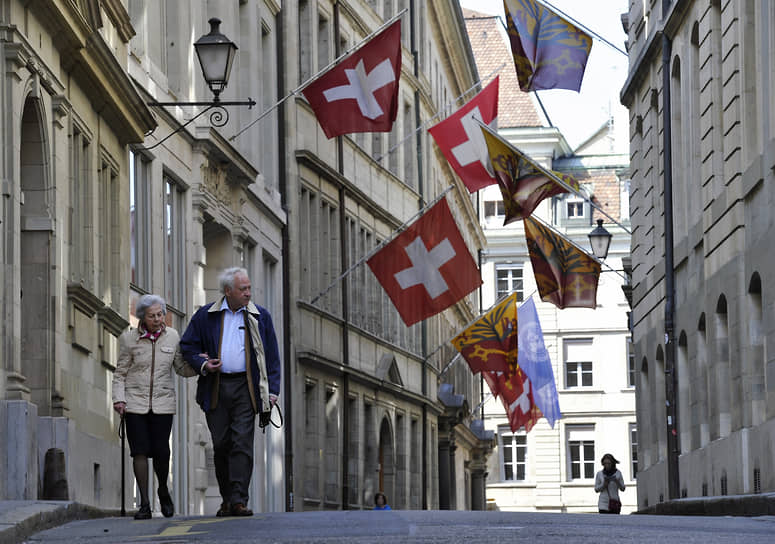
216	56
600	240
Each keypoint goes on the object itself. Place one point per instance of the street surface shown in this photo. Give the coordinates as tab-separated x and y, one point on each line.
416	526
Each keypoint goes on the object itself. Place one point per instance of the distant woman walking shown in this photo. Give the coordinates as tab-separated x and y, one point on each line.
608	482
144	393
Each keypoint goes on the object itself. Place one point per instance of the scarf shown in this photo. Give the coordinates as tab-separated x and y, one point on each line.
152	336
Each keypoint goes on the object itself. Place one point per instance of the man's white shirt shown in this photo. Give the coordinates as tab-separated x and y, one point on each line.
233	340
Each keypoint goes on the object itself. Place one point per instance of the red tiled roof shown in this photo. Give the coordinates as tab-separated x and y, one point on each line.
515	108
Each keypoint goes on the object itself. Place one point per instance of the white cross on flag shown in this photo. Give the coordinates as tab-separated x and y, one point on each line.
460	138
360	94
427	268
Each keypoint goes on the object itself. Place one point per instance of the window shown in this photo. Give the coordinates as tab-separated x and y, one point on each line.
270	287
581	452
81	228
630	363
108	235
575	209
634	450
513	448
509	280
174	246
319	229
494	208
139	220
578	363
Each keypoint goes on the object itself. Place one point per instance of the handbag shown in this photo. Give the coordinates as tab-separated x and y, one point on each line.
614	506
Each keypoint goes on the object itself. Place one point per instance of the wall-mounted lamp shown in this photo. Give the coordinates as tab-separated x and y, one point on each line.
600	240
216	56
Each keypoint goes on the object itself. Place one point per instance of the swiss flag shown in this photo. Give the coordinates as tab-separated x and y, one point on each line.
360	94
460	138
427	268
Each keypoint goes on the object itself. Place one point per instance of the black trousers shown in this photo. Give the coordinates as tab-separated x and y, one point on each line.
232	426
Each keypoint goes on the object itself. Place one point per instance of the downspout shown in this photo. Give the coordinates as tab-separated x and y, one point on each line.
670	374
282	180
345	302
413	20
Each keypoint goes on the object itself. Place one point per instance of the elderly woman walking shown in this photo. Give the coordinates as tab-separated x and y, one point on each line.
144	394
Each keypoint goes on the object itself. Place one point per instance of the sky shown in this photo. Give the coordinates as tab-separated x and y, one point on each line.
579	115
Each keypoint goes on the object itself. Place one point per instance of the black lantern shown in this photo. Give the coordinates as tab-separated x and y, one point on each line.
216	55
600	240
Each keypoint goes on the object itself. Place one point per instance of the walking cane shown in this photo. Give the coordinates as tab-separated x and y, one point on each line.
122	435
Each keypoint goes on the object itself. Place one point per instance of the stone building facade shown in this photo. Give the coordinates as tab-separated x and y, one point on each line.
552	469
699	87
69	113
108	195
369	409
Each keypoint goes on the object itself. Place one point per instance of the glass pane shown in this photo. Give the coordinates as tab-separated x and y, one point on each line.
571	379
508	472
589	450
507	453
589	470
521	455
520	472
574	471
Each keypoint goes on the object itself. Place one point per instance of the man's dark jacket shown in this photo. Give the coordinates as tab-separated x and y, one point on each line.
203	335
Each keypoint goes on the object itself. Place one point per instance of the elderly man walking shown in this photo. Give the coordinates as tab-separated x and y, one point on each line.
232	344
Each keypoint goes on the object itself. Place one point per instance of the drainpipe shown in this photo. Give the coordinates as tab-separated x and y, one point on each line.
413	21
345	303
282	180
670	374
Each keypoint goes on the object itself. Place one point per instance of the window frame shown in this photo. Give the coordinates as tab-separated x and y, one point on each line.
515	447
580	436
511	279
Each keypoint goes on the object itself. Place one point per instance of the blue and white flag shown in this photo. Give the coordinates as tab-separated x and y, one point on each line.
535	362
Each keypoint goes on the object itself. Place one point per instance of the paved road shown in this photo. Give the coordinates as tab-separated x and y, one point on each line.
416	526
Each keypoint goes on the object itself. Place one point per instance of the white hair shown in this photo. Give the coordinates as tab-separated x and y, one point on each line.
226	279
145	302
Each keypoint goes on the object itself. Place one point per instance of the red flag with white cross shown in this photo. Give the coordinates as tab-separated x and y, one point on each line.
427	268
460	138
360	94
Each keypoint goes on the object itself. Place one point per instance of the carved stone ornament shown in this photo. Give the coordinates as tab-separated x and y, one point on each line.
215	182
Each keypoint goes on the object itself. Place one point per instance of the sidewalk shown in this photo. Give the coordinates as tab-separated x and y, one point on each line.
20	519
762	504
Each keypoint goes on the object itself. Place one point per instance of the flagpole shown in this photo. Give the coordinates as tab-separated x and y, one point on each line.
576	23
439	112
449	365
489	395
380	246
584	27
552	176
330	65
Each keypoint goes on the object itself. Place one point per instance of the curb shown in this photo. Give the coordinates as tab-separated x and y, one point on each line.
45	515
740	505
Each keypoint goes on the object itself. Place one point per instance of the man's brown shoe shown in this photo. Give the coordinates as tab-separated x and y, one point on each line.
224	510
240	509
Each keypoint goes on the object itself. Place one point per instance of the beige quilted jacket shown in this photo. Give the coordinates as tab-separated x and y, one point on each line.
143	376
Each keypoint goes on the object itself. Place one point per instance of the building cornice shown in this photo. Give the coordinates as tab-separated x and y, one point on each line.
85	53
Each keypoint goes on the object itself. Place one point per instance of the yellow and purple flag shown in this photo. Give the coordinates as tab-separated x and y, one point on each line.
549	51
490	343
523	184
566	276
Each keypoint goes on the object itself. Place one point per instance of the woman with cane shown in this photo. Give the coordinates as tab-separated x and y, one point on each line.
144	396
